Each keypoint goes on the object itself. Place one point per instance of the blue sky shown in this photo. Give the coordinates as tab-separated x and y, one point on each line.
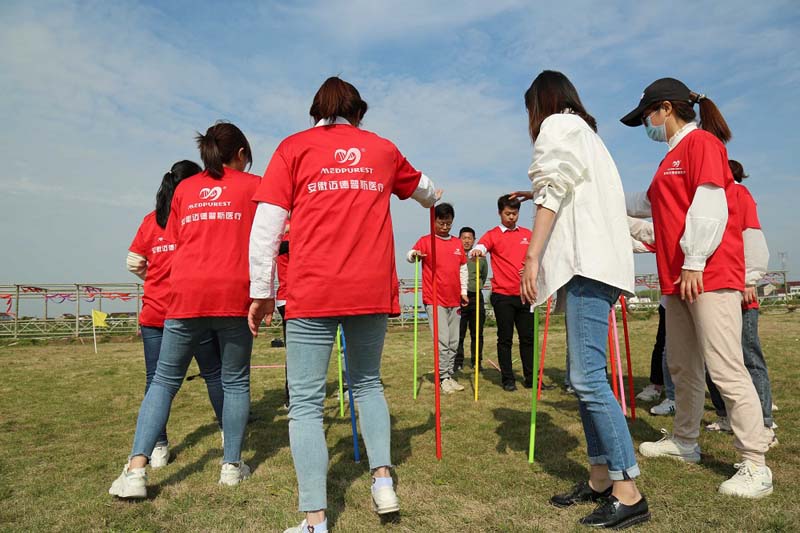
100	98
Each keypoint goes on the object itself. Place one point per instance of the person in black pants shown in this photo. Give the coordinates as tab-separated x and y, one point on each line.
475	295
507	243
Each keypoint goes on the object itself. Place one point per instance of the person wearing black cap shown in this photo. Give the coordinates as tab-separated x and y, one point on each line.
581	245
701	268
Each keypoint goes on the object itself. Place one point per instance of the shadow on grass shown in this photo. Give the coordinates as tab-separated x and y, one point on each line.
553	442
344	471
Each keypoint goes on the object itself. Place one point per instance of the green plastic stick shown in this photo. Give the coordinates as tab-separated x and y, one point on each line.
532	444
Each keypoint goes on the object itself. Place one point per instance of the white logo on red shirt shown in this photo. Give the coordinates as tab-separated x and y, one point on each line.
524	240
210	193
352	156
676	163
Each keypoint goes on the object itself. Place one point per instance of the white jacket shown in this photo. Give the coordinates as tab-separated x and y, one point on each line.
574	175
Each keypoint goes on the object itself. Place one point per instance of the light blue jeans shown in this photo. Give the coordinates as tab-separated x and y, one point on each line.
308	350
178	345
207	357
608	439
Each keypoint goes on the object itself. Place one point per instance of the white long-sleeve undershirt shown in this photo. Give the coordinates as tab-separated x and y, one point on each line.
756	255
267	231
705	226
137	264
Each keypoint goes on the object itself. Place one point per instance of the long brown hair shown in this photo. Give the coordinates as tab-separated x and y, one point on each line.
338	98
220	145
550	93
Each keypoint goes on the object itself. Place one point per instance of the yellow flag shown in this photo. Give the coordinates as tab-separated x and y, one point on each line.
99	319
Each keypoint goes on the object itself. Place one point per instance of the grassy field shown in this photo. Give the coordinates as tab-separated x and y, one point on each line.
67	418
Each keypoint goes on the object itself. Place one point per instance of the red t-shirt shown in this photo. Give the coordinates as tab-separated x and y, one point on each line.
700	158
748	219
283	269
154	247
210	222
337	182
508	250
449	258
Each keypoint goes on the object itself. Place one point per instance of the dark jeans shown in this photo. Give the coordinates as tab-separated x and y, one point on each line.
756	365
468	323
509	312
208	360
656	372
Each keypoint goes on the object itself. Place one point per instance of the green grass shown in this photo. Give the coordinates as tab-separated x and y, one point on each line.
67	418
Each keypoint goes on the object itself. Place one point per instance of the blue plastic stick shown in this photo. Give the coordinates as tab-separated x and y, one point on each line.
356	452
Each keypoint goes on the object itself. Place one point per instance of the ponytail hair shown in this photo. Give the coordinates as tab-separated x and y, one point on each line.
179	172
338	98
220	145
711	119
737	170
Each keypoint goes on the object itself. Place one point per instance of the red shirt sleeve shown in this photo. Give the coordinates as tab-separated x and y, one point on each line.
487	241
406	177
139	246
708	164
747	209
277	187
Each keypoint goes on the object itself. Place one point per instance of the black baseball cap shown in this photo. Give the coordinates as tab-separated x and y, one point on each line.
658	91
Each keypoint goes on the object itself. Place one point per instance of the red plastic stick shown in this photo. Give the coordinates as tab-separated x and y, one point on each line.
435	318
544	349
614	384
628	355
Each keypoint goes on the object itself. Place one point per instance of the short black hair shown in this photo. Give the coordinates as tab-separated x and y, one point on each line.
506	201
466	229
445	210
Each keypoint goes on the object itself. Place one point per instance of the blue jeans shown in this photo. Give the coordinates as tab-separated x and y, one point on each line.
608	440
756	365
308	350
207	357
180	341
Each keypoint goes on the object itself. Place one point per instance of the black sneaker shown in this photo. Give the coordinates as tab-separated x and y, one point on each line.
615	515
580	493
509	387
528	384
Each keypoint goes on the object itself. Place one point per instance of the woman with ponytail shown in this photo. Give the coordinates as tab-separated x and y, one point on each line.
150	258
209	224
701	268
336	180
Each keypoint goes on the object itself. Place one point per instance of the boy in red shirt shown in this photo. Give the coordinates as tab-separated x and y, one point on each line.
451	281
508	244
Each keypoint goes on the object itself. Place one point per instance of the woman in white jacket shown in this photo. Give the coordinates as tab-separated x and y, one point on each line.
581	242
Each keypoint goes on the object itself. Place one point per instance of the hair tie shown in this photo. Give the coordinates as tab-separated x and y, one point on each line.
699	97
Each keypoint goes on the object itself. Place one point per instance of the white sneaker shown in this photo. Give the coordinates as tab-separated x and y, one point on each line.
650	393
774	407
130	484
305	528
384	499
445	386
232	474
774	426
160	456
665	408
455	385
670	447
722	424
773	442
750	481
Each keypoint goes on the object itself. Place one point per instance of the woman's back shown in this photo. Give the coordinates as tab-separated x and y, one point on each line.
337	181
